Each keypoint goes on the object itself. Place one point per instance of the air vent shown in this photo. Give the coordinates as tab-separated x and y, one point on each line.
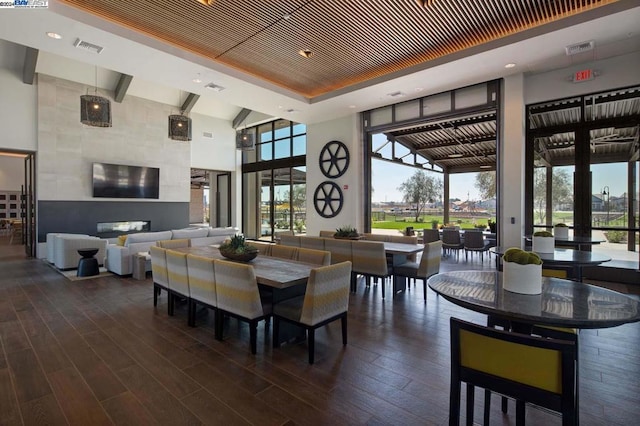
397	94
207	135
82	44
214	87
585	46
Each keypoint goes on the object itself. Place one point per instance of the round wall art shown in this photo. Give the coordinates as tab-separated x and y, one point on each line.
334	159
328	199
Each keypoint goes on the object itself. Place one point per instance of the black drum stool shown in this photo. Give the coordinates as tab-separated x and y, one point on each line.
88	265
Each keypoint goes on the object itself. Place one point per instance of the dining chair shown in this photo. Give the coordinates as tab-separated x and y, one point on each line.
173	244
315	243
326	234
429	265
451	241
290	240
430	235
238	296
377	237
315	257
340	249
370	260
527	368
326	299
158	271
284	252
178	281
474	242
202	283
264	248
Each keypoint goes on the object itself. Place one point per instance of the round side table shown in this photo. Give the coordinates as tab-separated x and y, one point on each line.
88	265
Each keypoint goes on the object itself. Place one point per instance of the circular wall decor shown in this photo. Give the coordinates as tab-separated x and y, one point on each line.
328	199
334	159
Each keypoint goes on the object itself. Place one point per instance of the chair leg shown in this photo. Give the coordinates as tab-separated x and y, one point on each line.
170	302
470	399
219	324
520	413
155	295
383	286
191	313
343	321
312	344
454	403
487	406
276	332
424	288
253	336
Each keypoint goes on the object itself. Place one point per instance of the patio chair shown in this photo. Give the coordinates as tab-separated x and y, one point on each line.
474	242
451	241
429	265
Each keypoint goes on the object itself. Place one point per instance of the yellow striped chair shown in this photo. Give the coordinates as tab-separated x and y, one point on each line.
326	300
173	244
264	248
290	240
340	249
238	296
315	243
327	234
158	271
429	265
315	257
370	260
202	283
377	237
178	280
530	369
284	252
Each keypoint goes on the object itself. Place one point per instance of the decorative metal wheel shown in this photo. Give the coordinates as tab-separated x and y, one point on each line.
328	199
334	159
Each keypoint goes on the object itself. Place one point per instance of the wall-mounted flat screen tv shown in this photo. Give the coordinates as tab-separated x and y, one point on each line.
121	181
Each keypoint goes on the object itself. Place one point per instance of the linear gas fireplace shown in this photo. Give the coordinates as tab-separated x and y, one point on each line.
124	227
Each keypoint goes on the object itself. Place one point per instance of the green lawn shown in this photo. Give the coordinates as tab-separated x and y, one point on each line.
400	224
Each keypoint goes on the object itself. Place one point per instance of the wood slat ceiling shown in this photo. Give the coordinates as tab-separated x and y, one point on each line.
353	41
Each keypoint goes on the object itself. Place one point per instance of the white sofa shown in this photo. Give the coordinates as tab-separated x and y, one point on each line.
65	249
120	258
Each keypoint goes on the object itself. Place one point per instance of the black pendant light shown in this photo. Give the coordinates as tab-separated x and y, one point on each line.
95	110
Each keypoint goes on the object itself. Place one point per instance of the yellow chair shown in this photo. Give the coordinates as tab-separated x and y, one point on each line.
527	368
173	244
429	265
327	234
158	271
315	257
370	260
326	299
264	248
202	283
178	281
284	252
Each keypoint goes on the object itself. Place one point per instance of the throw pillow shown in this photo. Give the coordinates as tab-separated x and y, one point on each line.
122	239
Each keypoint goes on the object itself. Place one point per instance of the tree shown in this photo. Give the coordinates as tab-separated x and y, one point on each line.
561	190
419	189
486	184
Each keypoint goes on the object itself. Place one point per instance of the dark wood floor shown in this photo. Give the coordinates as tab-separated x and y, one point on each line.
97	352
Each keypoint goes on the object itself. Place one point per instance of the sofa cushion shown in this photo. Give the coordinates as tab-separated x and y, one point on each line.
189	233
217	232
144	237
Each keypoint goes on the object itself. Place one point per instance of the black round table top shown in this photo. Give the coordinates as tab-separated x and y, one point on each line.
88	252
562	303
565	257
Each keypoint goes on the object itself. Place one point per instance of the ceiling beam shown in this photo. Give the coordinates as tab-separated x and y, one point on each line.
121	88
188	103
29	68
242	115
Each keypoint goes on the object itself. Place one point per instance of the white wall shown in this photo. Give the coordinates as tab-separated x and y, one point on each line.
217	152
17	101
619	71
346	130
11	173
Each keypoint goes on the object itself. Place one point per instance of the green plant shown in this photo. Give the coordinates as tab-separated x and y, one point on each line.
615	236
480	226
238	245
561	225
346	231
492	225
299	226
521	257
542	234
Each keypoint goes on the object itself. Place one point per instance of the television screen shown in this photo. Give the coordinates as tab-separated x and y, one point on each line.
120	181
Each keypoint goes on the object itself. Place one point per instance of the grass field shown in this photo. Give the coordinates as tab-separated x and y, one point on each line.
400	223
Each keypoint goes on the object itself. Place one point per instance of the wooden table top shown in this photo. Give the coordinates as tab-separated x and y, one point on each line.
271	271
563	303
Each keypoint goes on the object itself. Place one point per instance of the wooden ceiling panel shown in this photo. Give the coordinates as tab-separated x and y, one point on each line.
352	41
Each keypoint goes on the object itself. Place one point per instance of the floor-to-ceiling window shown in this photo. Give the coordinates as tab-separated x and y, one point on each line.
274	180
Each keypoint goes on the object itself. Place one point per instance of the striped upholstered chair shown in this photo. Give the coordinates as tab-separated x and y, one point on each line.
315	257
315	243
370	260
178	280
429	265
284	252
202	283
326	300
264	248
174	244
238	296
158	271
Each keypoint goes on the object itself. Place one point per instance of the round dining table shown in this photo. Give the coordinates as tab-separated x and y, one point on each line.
562	303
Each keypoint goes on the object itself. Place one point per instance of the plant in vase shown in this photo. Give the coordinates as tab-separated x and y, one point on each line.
346	232
493	226
237	248
561	230
543	242
522	271
434	224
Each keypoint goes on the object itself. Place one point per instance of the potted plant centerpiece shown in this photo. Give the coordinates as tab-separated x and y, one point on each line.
493	227
561	231
236	248
522	271
434	224
543	242
347	233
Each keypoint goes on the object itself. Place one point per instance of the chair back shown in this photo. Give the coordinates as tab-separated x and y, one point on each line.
202	279
369	258
377	237
159	266
173	244
450	237
473	240
327	234
177	272
237	289
284	252
327	293
315	243
290	240
315	257
430	235
264	248
430	261
530	369
340	249
404	239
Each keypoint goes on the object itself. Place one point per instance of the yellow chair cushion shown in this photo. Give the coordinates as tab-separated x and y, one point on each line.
121	240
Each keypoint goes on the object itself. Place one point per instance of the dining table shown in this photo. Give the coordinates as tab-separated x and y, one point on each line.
575	242
575	260
398	253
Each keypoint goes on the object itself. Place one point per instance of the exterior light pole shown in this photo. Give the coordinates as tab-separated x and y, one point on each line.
606	196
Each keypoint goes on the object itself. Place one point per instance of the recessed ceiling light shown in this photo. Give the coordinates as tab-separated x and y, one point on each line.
419	89
455	155
53	35
352	106
485	166
306	53
510	65
197	79
206	2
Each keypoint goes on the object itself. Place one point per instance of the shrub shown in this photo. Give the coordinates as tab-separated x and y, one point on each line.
543	234
615	236
521	257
